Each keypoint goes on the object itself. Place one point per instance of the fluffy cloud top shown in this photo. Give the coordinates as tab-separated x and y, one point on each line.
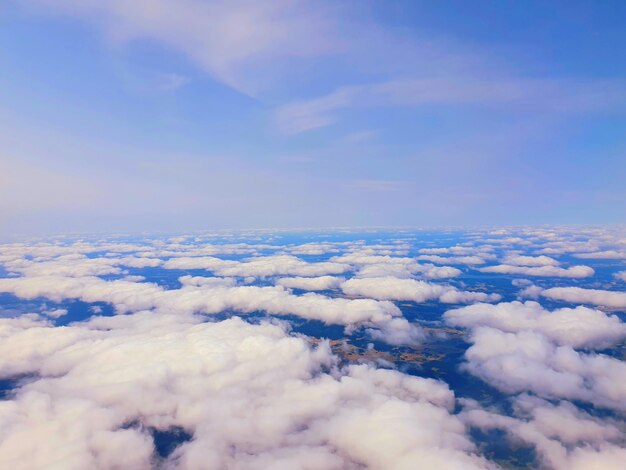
390	288
530	361
548	271
311	283
262	266
520	347
521	260
564	437
612	299
210	296
96	390
576	327
608	254
100	387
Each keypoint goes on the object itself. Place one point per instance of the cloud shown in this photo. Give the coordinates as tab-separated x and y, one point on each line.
523	94
458	250
521	347
231	40
404	270
608	254
606	298
620	275
313	249
520	260
55	313
109	382
310	283
563	436
210	296
548	271
99	388
440	272
530	361
76	265
390	288
377	265
531	292
261	266
577	327
470	260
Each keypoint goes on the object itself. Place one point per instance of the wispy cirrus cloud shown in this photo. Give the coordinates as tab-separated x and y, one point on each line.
231	40
516	94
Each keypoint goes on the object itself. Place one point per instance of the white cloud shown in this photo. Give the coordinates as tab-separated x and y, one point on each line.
606	298
548	95
521	347
55	313
210	296
440	272
547	271
313	249
620	275
234	41
261	266
576	327
564	437
608	254
521	260
98	388
531	292
404	270
470	260
310	283
374	264
457	250
390	288
529	361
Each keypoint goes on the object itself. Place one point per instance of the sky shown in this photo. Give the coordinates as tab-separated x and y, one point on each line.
191	114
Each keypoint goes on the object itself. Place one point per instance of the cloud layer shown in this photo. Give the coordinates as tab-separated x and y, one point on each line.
174	351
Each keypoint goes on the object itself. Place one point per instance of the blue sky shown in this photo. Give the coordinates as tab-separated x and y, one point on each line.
190	114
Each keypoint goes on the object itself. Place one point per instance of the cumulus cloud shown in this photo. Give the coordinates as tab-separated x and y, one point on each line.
313	249
606	298
519	347
620	275
377	265
102	386
530	292
607	254
408	270
576	327
521	260
548	271
564	437
440	272
529	361
55	313
99	388
211	296
311	283
261	266
390	288
470	260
